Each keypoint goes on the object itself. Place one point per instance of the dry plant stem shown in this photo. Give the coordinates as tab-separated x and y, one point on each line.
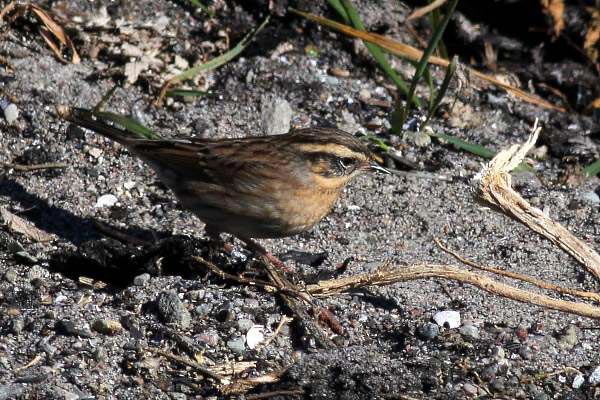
495	188
539	283
181	360
425	271
284	320
243	385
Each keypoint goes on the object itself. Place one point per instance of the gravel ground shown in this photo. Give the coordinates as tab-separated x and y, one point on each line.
84	315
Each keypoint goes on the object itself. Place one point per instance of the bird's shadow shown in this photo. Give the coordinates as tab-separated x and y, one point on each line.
96	256
59	221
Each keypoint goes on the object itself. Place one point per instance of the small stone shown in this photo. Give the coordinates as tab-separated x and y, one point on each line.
470	389
590	198
339	72
172	310
348	123
594	378
245	324
237	345
95	152
364	95
499	353
470	331
420	139
449	319
107	326
68	328
568	339
36	272
276	116
106	200
578	381
428	331
142	279
11	113
11	276
255	336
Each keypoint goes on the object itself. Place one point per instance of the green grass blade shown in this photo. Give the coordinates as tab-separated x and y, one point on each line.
185	93
464	145
223	58
402	112
129	124
375	50
443	89
593	169
339	8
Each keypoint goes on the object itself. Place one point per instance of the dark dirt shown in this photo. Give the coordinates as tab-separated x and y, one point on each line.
161	299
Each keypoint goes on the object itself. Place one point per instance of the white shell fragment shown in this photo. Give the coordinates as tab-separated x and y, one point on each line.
106	200
448	319
255	336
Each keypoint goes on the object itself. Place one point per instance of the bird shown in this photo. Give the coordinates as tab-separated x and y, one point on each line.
254	187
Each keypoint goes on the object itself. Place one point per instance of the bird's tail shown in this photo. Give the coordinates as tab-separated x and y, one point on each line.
116	127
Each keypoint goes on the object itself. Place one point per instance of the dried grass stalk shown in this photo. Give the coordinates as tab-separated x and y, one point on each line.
494	186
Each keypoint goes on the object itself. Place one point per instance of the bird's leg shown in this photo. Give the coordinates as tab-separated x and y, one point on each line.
257	248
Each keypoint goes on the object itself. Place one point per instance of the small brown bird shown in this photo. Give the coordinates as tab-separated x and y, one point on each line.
254	187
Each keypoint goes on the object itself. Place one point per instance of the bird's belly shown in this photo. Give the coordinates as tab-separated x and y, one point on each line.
278	214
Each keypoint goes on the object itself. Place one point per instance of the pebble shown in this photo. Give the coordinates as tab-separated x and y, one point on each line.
67	328
255	336
172	310
578	381
11	111
36	272
568	339
142	279
449	319
594	378
237	345
499	353
470	331
245	324
348	123
276	116
470	389
106	200
428	331
589	198
107	326
11	276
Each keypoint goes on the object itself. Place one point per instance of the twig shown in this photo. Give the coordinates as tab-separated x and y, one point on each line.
120	236
424	271
495	188
284	320
181	360
34	167
31	363
525	278
243	385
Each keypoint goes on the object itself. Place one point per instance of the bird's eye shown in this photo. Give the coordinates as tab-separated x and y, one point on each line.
347	162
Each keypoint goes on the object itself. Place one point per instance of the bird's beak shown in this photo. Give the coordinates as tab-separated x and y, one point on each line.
376	167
